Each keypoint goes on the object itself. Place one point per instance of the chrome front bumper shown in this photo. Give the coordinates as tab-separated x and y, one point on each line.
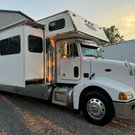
124	110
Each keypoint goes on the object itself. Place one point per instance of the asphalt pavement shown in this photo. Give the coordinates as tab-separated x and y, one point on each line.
21	115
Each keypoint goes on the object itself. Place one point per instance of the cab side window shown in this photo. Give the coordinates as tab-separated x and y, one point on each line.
68	49
72	50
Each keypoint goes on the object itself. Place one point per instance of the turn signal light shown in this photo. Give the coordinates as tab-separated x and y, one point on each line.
123	96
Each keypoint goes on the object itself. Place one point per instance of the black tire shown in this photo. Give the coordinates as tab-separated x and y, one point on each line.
97	108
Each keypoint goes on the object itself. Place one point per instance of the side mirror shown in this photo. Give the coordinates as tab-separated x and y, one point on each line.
100	49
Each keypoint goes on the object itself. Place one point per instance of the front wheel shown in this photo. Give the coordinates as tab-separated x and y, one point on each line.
97	109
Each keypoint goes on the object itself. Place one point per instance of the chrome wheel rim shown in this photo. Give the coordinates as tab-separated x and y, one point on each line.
96	108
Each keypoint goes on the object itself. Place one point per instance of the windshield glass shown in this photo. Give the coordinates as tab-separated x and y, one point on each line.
89	51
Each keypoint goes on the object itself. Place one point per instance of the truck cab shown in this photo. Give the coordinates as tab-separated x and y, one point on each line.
100	88
72	66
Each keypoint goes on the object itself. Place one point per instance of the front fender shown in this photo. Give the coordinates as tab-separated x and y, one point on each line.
112	87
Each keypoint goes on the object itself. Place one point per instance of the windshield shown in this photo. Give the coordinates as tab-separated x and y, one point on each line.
89	51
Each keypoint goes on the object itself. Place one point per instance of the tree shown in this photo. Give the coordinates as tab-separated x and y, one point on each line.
113	34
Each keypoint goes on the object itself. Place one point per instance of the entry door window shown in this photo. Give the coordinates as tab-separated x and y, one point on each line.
35	44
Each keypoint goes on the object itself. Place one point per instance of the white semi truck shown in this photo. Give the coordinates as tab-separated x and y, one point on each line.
57	60
120	51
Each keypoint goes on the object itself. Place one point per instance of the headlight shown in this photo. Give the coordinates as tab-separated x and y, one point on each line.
126	95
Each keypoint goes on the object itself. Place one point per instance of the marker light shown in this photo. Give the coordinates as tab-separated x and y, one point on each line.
125	95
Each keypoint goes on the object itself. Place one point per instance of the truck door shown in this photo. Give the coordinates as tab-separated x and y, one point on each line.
68	60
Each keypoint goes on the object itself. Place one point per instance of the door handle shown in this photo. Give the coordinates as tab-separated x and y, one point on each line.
76	71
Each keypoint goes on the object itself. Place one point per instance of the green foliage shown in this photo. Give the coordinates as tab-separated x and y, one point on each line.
113	34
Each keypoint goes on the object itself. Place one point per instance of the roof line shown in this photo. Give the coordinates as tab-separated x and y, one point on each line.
22	22
66	11
13	11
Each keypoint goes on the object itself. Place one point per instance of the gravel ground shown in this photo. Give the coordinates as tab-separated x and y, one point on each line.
28	116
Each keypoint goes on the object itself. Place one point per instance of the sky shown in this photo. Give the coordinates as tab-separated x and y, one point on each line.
105	13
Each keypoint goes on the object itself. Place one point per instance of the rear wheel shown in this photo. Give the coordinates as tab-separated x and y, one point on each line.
97	108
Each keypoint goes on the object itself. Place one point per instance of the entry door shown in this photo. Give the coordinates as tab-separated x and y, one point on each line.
69	61
34	69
